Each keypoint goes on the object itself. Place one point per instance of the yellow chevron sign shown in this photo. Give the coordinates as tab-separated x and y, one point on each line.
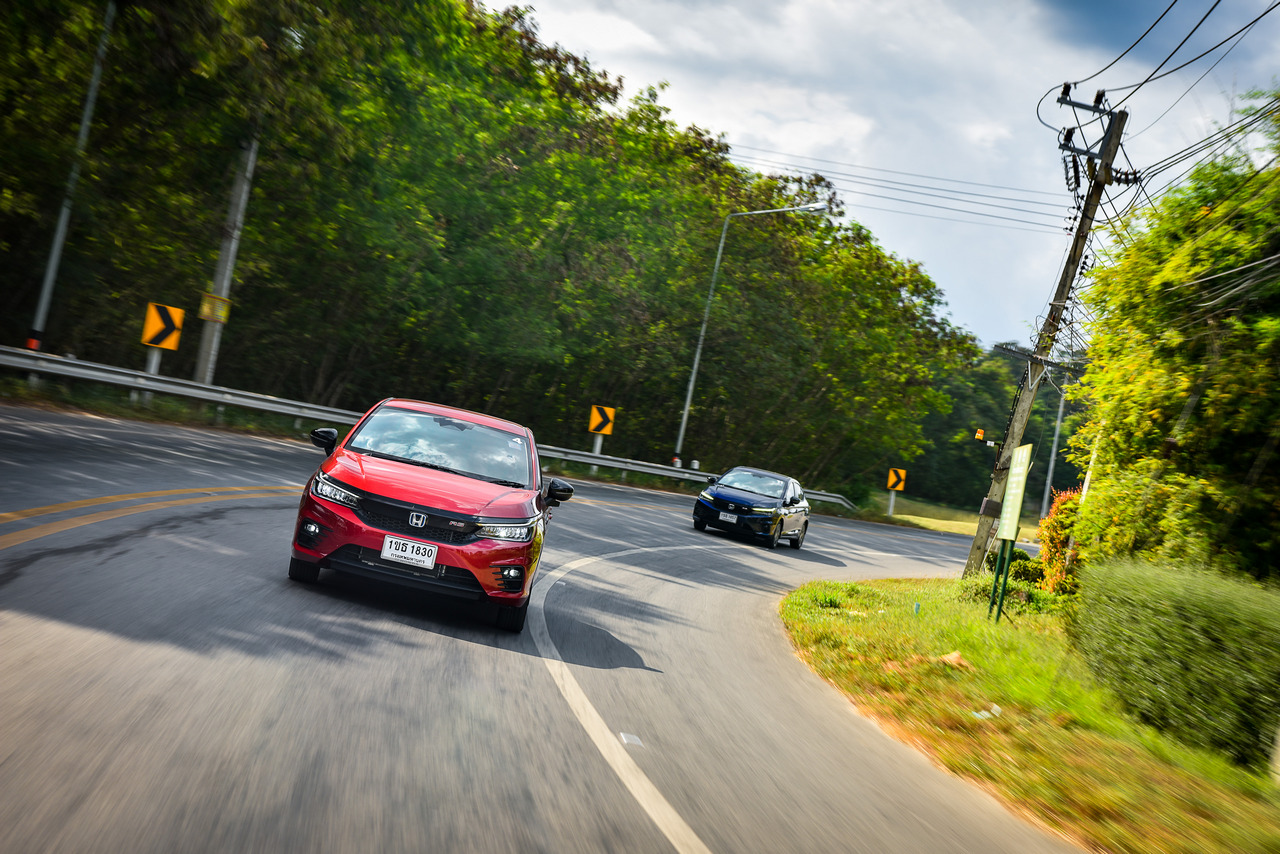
897	479
601	420
162	326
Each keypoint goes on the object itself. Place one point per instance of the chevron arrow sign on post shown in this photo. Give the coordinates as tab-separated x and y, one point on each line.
163	326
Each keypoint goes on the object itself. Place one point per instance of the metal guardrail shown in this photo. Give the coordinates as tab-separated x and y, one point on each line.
44	363
63	366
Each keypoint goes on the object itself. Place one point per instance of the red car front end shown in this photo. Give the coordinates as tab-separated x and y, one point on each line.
431	497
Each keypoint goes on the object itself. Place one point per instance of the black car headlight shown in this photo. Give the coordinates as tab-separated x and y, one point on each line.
331	490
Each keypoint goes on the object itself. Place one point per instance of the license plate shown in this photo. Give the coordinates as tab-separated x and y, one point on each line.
409	551
729	517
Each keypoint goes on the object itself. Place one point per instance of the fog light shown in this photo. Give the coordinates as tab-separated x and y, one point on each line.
512	572
310	528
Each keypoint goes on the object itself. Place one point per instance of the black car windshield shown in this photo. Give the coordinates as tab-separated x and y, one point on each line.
444	442
754	481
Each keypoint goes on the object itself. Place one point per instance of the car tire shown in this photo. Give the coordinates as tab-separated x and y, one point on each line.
798	540
512	619
774	536
304	571
699	525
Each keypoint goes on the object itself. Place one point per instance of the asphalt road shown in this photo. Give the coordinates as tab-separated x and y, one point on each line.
164	687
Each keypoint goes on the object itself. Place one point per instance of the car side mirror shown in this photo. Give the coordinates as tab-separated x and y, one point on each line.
325	438
793	500
712	478
558	491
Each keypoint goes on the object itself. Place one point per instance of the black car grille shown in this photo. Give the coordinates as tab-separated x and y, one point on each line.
394	518
732	506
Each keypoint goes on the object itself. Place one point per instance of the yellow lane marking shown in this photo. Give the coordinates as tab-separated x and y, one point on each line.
112	499
18	537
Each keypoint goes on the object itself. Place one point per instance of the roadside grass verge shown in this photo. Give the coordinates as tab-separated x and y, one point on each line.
916	513
1018	714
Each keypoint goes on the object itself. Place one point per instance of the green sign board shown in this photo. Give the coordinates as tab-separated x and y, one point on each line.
1012	507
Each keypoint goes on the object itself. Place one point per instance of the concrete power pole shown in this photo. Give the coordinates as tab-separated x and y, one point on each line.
1052	322
211	335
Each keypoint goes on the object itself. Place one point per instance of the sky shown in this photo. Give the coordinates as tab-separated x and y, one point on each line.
930	94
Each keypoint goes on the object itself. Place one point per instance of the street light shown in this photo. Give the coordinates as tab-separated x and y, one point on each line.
706	314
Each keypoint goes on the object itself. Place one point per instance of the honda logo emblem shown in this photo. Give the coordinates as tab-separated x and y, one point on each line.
417	520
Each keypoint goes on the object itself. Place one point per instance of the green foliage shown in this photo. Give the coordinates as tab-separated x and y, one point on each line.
1022	595
1055	533
445	207
1191	653
1185	410
955	468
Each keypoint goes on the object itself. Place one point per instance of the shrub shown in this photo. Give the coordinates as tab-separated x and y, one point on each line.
1055	542
1192	653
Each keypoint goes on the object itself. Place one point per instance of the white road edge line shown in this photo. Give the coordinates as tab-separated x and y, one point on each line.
652	801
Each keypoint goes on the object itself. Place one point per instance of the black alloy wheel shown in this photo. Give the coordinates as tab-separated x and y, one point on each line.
798	540
698	524
774	536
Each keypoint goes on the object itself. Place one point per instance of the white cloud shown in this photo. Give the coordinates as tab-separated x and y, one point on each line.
943	88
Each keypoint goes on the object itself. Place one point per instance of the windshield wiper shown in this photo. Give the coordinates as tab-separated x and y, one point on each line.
511	483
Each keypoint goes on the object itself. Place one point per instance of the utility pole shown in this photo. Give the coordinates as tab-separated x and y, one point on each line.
1099	178
211	335
35	338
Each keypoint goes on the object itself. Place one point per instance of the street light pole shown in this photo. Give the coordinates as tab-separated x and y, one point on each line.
706	312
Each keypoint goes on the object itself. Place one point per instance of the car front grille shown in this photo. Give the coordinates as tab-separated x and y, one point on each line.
393	517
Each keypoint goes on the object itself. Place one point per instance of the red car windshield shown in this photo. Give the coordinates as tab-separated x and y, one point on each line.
447	443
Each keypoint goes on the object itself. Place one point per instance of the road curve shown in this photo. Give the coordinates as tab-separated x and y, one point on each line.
164	687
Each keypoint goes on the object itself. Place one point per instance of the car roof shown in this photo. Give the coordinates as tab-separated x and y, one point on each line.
454	412
761	471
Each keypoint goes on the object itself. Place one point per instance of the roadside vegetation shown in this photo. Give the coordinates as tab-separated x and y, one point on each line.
1013	707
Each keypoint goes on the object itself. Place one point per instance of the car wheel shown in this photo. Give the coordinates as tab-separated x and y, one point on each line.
512	619
699	525
304	571
798	540
774	536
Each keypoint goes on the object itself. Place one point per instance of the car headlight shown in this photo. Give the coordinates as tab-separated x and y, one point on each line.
705	495
520	532
329	489
768	509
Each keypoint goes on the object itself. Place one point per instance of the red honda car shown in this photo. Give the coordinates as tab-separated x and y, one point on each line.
431	497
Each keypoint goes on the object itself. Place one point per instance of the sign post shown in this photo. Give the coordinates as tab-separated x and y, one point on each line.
1007	533
897	482
161	330
600	422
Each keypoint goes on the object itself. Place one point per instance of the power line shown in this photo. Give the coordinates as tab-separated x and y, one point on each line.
1129	48
896	171
886	183
1172	53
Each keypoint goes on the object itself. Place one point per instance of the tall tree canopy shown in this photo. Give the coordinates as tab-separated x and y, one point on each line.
446	207
1185	407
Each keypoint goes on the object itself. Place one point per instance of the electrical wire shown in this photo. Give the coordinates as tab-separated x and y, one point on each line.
1130	47
1172	53
896	171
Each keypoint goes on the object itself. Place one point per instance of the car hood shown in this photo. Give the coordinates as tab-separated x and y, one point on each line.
742	496
440	490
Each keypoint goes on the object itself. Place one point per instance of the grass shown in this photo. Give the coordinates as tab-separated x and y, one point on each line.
935	517
1060	749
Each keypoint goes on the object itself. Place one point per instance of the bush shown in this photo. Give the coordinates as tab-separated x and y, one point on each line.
1022	566
1055	542
1021	597
1191	653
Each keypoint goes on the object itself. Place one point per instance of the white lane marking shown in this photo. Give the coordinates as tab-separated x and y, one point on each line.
628	738
651	800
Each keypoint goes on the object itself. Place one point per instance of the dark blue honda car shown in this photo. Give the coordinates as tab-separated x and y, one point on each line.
753	501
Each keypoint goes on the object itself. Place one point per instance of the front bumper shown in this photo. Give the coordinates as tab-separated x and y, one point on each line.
747	523
468	570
